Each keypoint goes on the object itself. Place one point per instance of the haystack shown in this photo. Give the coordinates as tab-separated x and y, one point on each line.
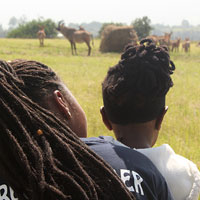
115	38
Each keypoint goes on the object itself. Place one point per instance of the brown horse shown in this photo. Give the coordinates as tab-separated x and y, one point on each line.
74	36
41	35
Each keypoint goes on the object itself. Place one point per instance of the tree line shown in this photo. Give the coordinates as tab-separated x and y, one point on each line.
21	28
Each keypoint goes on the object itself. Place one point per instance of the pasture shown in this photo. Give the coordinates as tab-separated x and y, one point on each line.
83	76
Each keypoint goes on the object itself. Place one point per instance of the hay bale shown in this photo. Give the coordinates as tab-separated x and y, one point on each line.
115	38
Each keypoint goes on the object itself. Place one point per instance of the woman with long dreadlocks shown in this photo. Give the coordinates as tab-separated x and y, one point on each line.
41	158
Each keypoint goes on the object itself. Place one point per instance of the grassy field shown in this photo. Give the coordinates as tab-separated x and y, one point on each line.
83	75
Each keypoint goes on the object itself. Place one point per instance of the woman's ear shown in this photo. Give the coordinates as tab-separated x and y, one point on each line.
160	118
62	105
105	119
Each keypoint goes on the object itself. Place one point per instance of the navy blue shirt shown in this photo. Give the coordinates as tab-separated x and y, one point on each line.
138	173
6	192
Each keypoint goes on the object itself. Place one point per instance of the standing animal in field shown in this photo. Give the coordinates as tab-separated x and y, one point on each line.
186	45
41	35
75	36
175	45
166	39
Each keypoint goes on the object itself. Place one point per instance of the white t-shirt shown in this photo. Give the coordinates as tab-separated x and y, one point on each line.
181	174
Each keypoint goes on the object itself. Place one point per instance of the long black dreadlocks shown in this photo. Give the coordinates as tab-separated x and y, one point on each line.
40	157
134	90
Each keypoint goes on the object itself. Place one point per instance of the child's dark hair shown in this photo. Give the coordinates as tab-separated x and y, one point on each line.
40	157
134	90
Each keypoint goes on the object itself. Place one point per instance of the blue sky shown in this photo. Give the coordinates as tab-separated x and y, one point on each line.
167	12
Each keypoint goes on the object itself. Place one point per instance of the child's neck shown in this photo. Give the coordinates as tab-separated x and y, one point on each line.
136	135
133	142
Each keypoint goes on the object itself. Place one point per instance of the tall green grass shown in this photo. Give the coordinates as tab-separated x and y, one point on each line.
83	76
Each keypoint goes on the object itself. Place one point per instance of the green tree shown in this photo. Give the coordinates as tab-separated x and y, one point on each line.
185	23
2	32
13	22
30	29
142	27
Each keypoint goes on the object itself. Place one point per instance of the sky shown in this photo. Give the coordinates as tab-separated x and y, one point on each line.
167	12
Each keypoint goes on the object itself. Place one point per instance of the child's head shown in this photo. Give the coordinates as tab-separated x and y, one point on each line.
134	93
134	90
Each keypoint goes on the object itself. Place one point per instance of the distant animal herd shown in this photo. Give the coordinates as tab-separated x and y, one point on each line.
82	36
173	45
